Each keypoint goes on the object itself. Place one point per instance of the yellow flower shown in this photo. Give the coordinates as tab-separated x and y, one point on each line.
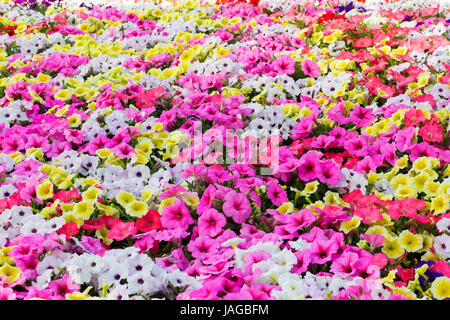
104	153
92	194
124	198
12	273
405	192
43	78
439	204
378	229
286	208
147	194
103	235
420	181
401	180
441	288
310	188
347	226
427	241
64	95
409	241
45	190
404	291
431	189
74	120
191	199
108	210
83	209
392	248
78	295
165	203
421	163
137	208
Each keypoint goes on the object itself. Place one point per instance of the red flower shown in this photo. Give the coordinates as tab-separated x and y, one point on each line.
432	133
67	196
102	221
413	117
151	221
405	274
69	229
122	230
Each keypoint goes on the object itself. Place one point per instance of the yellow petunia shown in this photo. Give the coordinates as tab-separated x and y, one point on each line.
392	249
409	241
83	209
12	273
45	190
137	208
441	288
124	198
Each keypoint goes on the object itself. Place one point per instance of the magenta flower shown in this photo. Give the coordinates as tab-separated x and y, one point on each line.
328	172
211	222
362	117
344	264
283	64
303	261
63	286
277	194
203	247
322	250
310	68
237	206
206	199
176	216
307	169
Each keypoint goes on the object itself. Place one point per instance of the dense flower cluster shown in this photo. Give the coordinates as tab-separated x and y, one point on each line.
108	192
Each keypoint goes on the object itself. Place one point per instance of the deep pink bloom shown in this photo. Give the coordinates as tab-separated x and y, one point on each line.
237	206
322	250
307	169
63	286
310	68
203	247
277	194
122	230
176	216
283	64
211	222
328	172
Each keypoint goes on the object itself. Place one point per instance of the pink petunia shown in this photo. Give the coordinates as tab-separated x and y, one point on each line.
276	194
283	64
237	206
176	216
211	222
310	68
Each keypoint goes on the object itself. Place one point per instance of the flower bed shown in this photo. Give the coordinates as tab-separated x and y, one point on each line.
238	150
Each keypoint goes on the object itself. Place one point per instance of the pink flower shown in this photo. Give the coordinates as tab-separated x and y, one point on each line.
63	286
310	68
122	230
322	250
203	246
303	261
237	206
344	265
211	222
206	199
283	64
277	194
362	117
307	169
328	172
250	258
375	240
176	216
